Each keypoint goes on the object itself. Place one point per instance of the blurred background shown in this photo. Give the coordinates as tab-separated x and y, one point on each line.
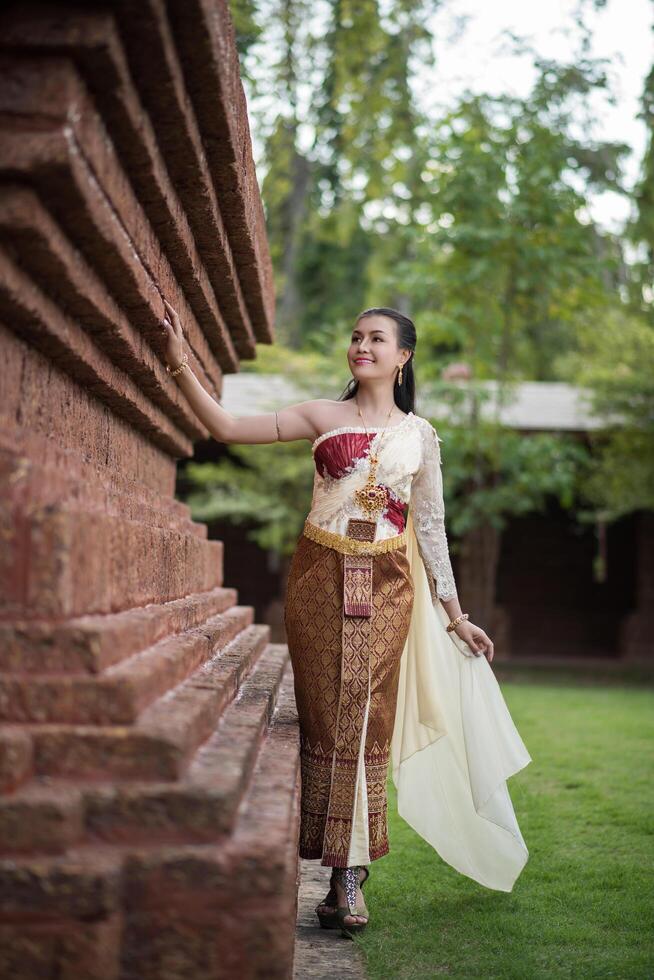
489	170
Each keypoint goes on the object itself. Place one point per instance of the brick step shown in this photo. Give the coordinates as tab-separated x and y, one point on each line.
49	815
129	564
198	165
193	892
162	742
203	805
33	316
119	694
59	96
85	882
36	473
174	893
16	757
27	752
41	818
92	644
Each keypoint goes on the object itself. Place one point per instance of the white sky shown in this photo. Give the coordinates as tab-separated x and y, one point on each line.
472	59
468	47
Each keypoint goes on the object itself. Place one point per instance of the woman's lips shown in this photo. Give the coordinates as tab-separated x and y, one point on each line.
362	360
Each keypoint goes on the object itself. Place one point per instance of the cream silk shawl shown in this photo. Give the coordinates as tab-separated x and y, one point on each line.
454	746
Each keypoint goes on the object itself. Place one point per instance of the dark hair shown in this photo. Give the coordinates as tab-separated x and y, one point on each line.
405	393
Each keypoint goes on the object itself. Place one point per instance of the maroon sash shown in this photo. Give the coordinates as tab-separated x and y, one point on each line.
357	571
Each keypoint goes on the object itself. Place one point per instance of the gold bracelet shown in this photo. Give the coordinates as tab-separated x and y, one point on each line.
455	622
179	368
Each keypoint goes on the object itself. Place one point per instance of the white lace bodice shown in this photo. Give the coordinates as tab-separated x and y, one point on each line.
410	467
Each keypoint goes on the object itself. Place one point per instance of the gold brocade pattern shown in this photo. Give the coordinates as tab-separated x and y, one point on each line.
357	571
338	661
357	588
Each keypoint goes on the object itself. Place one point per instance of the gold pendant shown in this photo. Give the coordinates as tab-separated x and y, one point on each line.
372	497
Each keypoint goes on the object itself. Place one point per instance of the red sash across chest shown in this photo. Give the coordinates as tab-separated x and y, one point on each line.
336	453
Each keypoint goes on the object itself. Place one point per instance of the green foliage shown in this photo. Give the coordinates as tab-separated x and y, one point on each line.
491	472
474	218
641	229
268	486
502	264
616	361
246	27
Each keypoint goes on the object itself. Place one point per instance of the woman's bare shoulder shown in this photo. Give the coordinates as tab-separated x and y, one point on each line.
317	415
325	414
330	413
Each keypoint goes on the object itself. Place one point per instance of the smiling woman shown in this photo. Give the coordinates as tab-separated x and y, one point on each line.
386	665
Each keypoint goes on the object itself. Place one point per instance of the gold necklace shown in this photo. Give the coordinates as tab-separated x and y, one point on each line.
372	497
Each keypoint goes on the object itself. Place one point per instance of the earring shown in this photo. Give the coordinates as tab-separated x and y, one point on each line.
399	377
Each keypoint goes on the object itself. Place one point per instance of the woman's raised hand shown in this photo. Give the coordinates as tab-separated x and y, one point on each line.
175	337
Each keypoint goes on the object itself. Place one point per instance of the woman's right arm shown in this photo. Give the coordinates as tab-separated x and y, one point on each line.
301	421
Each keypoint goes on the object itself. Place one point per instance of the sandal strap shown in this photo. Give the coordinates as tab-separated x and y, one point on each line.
348	878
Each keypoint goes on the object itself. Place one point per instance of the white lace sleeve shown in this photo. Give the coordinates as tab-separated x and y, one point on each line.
428	510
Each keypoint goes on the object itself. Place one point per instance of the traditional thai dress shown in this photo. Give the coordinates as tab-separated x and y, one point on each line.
379	680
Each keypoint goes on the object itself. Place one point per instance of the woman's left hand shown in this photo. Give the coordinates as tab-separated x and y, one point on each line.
478	641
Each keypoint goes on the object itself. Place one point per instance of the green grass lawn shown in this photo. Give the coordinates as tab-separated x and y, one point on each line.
583	904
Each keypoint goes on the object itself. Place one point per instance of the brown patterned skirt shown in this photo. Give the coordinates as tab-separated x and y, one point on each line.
346	671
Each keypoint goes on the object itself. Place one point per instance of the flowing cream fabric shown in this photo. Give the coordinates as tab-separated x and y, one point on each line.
454	746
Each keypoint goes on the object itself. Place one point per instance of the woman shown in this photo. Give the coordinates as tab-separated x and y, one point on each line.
386	665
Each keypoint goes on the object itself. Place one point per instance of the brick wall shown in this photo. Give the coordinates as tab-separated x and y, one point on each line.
149	776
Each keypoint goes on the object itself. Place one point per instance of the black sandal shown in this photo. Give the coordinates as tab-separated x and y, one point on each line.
327	916
348	878
326	910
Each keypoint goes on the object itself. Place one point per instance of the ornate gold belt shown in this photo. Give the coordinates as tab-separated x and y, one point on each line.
358	546
352	546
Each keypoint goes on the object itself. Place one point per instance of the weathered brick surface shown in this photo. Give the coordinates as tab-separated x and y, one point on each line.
204	34
90	644
185	905
74	162
149	771
65	948
34	238
121	693
51	331
16	756
186	892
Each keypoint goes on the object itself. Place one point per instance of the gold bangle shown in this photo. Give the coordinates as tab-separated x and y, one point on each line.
455	622
179	368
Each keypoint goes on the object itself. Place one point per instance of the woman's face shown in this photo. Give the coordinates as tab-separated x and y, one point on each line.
373	350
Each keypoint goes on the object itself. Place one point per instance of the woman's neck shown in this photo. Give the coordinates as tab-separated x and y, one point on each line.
375	402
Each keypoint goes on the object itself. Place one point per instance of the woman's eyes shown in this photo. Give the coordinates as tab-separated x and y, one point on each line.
374	338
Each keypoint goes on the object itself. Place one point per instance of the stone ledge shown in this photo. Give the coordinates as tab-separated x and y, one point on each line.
49	815
53	262
162	742
179	902
92	643
89	194
120	693
205	38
